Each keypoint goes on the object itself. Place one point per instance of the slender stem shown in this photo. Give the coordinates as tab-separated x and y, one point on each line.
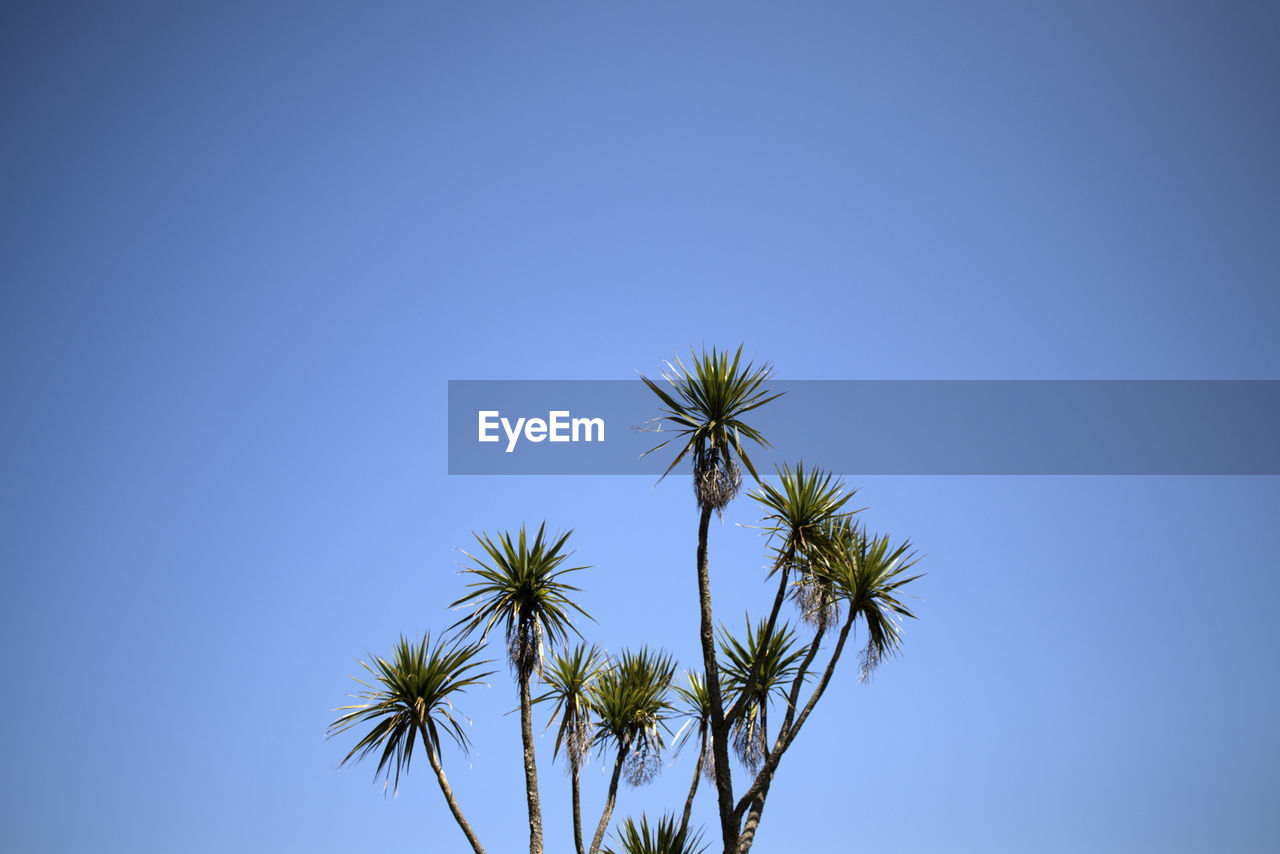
719	730
793	729
793	697
530	762
693	788
750	686
608	804
448	793
791	724
577	809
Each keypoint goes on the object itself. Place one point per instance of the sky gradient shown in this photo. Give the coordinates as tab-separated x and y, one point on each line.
244	250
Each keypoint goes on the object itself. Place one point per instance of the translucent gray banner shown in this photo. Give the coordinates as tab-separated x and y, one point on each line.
884	427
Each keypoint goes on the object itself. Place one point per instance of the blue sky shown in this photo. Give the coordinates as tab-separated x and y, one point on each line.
244	249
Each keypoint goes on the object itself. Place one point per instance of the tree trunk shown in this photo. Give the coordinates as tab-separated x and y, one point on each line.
448	793
608	804
748	834
577	810
530	768
719	732
753	821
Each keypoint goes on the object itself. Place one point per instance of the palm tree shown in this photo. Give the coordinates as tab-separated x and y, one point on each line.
866	575
867	582
799	509
799	513
757	669
519	587
667	837
411	697
569	681
630	703
706	404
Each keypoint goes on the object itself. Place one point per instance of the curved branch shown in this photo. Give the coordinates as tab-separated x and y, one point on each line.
608	804
448	793
791	724
754	676
693	788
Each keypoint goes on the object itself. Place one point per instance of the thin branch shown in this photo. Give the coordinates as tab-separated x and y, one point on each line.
609	801
693	788
754	676
788	730
448	793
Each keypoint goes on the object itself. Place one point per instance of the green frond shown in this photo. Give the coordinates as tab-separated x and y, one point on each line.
695	706
518	586
868	579
631	703
777	656
411	695
799	512
777	653
704	405
669	836
569	679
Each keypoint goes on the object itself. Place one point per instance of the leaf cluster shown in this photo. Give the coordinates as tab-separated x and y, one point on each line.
411	696
570	681
867	576
705	404
632	706
668	836
773	656
799	512
519	586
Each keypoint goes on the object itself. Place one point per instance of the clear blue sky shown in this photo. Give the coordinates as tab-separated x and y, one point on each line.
243	248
